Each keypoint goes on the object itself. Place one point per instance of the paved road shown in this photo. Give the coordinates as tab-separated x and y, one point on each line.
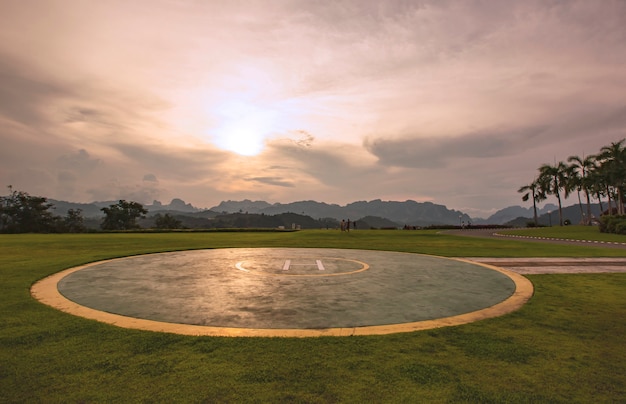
549	265
494	233
529	266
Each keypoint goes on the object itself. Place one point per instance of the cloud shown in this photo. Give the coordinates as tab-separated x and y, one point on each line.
174	162
80	161
330	163
150	178
278	181
66	183
435	152
456	102
24	96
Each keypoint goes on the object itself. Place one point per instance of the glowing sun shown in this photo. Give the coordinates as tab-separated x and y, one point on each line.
244	128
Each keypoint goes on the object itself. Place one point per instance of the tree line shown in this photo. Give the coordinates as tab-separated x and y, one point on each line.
600	176
23	213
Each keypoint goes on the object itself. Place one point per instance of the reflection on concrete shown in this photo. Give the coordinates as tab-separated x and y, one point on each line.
282	291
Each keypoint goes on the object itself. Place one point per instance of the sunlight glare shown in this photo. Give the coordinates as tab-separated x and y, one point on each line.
244	128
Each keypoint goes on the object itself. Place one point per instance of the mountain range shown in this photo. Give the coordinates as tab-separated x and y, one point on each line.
409	212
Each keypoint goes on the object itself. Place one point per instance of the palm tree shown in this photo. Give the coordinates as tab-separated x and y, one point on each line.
614	162
596	186
582	168
574	183
533	189
552	180
601	184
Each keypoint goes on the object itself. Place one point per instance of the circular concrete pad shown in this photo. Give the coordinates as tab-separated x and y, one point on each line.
287	291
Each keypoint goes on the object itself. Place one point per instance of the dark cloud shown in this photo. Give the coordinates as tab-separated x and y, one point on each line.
278	181
26	93
597	121
150	178
66	183
93	117
123	188
79	161
171	161
437	152
333	165
139	193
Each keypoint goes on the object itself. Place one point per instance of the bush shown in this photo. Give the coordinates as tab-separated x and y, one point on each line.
620	227
613	224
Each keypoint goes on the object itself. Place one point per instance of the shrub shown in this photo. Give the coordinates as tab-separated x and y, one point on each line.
613	224
620	227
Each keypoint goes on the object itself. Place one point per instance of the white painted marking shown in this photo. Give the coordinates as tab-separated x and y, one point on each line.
287	265
320	266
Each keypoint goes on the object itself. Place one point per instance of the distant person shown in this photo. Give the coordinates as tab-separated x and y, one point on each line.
348	225
343	225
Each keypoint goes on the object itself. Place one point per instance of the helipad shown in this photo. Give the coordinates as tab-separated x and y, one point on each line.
284	292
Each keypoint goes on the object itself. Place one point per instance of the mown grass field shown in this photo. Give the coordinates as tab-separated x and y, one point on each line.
565	345
570	232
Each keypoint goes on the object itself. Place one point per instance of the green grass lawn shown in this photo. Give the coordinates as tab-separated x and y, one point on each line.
565	345
570	232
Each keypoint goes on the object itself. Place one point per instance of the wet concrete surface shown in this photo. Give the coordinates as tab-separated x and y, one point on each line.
286	288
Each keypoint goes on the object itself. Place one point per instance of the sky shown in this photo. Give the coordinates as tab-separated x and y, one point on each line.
453	102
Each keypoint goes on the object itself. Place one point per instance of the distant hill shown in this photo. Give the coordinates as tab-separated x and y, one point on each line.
375	213
374	222
402	213
241	206
551	216
92	210
513	212
245	221
177	205
88	209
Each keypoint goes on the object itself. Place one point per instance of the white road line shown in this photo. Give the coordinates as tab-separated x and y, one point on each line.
320	266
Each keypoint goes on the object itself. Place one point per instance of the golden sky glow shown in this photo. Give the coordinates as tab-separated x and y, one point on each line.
455	102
